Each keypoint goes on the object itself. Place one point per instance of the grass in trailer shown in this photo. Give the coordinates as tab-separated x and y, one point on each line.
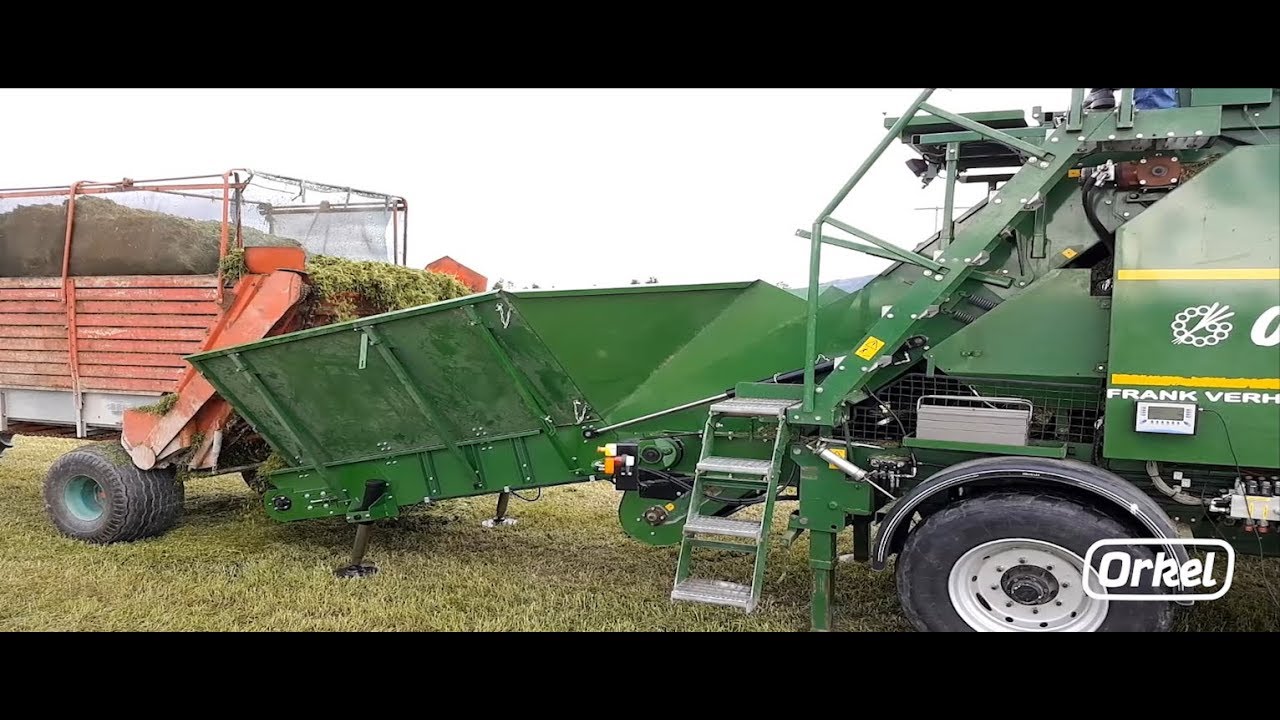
565	566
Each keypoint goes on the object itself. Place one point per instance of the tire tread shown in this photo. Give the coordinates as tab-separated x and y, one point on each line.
141	503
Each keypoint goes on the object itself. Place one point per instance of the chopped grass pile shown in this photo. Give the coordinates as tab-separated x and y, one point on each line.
273	463
565	566
353	286
161	406
112	239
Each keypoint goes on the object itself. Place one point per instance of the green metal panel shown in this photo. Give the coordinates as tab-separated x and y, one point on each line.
1049	451
609	343
1214	244
994	118
1230	96
492	391
1056	331
828	495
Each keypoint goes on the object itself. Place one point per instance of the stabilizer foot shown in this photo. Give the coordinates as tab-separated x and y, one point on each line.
358	567
500	518
364	569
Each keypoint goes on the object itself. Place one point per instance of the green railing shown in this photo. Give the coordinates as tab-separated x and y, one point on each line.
887	250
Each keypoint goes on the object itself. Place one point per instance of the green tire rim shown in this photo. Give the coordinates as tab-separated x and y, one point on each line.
84	497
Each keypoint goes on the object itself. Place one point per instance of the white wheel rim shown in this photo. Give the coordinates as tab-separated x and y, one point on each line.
1018	584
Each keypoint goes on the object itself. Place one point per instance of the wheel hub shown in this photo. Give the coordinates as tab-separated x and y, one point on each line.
1020	584
1029	584
84	498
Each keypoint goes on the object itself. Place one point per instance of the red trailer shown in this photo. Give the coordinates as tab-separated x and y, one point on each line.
105	287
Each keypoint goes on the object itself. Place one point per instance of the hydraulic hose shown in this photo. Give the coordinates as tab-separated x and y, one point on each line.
1153	471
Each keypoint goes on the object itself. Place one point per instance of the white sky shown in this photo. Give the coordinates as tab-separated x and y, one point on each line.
565	188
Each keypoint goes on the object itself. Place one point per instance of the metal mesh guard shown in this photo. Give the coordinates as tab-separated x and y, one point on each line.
1059	412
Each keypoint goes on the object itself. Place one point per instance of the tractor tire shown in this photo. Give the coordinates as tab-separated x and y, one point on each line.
96	494
6	442
1013	561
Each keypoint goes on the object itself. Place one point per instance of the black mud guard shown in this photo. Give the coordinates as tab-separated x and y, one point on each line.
1111	490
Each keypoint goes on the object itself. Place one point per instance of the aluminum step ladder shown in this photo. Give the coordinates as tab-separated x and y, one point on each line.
732	473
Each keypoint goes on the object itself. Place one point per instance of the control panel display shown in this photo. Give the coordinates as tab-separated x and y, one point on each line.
1160	412
1165	417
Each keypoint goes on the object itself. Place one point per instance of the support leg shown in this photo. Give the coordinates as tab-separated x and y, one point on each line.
358	567
373	491
861	542
500	513
822	566
862	539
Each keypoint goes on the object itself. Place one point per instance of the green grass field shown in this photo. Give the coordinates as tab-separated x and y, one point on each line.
565	566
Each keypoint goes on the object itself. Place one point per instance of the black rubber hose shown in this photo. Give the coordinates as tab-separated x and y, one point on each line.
1107	237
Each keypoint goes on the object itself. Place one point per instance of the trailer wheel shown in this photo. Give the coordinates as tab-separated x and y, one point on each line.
1014	561
95	493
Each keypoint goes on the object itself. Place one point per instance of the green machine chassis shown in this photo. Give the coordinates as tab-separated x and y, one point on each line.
1056	295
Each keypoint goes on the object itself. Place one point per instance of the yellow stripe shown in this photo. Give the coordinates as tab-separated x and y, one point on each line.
1188	274
1201	382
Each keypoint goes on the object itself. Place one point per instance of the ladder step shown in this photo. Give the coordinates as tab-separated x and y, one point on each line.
714	592
745	548
736	466
712	525
752	407
732	483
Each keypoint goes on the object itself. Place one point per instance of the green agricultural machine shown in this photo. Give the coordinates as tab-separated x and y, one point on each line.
1093	353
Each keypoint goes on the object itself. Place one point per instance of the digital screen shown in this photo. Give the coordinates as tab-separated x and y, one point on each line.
1157	412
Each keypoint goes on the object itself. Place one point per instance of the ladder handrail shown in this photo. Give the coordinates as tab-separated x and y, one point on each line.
817	240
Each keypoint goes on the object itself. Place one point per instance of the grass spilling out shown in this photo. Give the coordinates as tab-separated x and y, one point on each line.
161	406
356	287
565	566
273	463
347	289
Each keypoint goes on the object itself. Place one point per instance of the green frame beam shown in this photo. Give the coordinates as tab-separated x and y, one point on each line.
1125	121
1075	113
988	132
903	255
1036	132
918	260
949	203
1048	451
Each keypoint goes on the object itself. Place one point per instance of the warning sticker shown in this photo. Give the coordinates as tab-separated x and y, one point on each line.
869	347
842	452
1069	253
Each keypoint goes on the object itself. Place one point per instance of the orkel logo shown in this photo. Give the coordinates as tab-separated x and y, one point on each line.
1118	570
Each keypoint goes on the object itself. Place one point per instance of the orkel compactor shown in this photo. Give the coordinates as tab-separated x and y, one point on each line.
1092	353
